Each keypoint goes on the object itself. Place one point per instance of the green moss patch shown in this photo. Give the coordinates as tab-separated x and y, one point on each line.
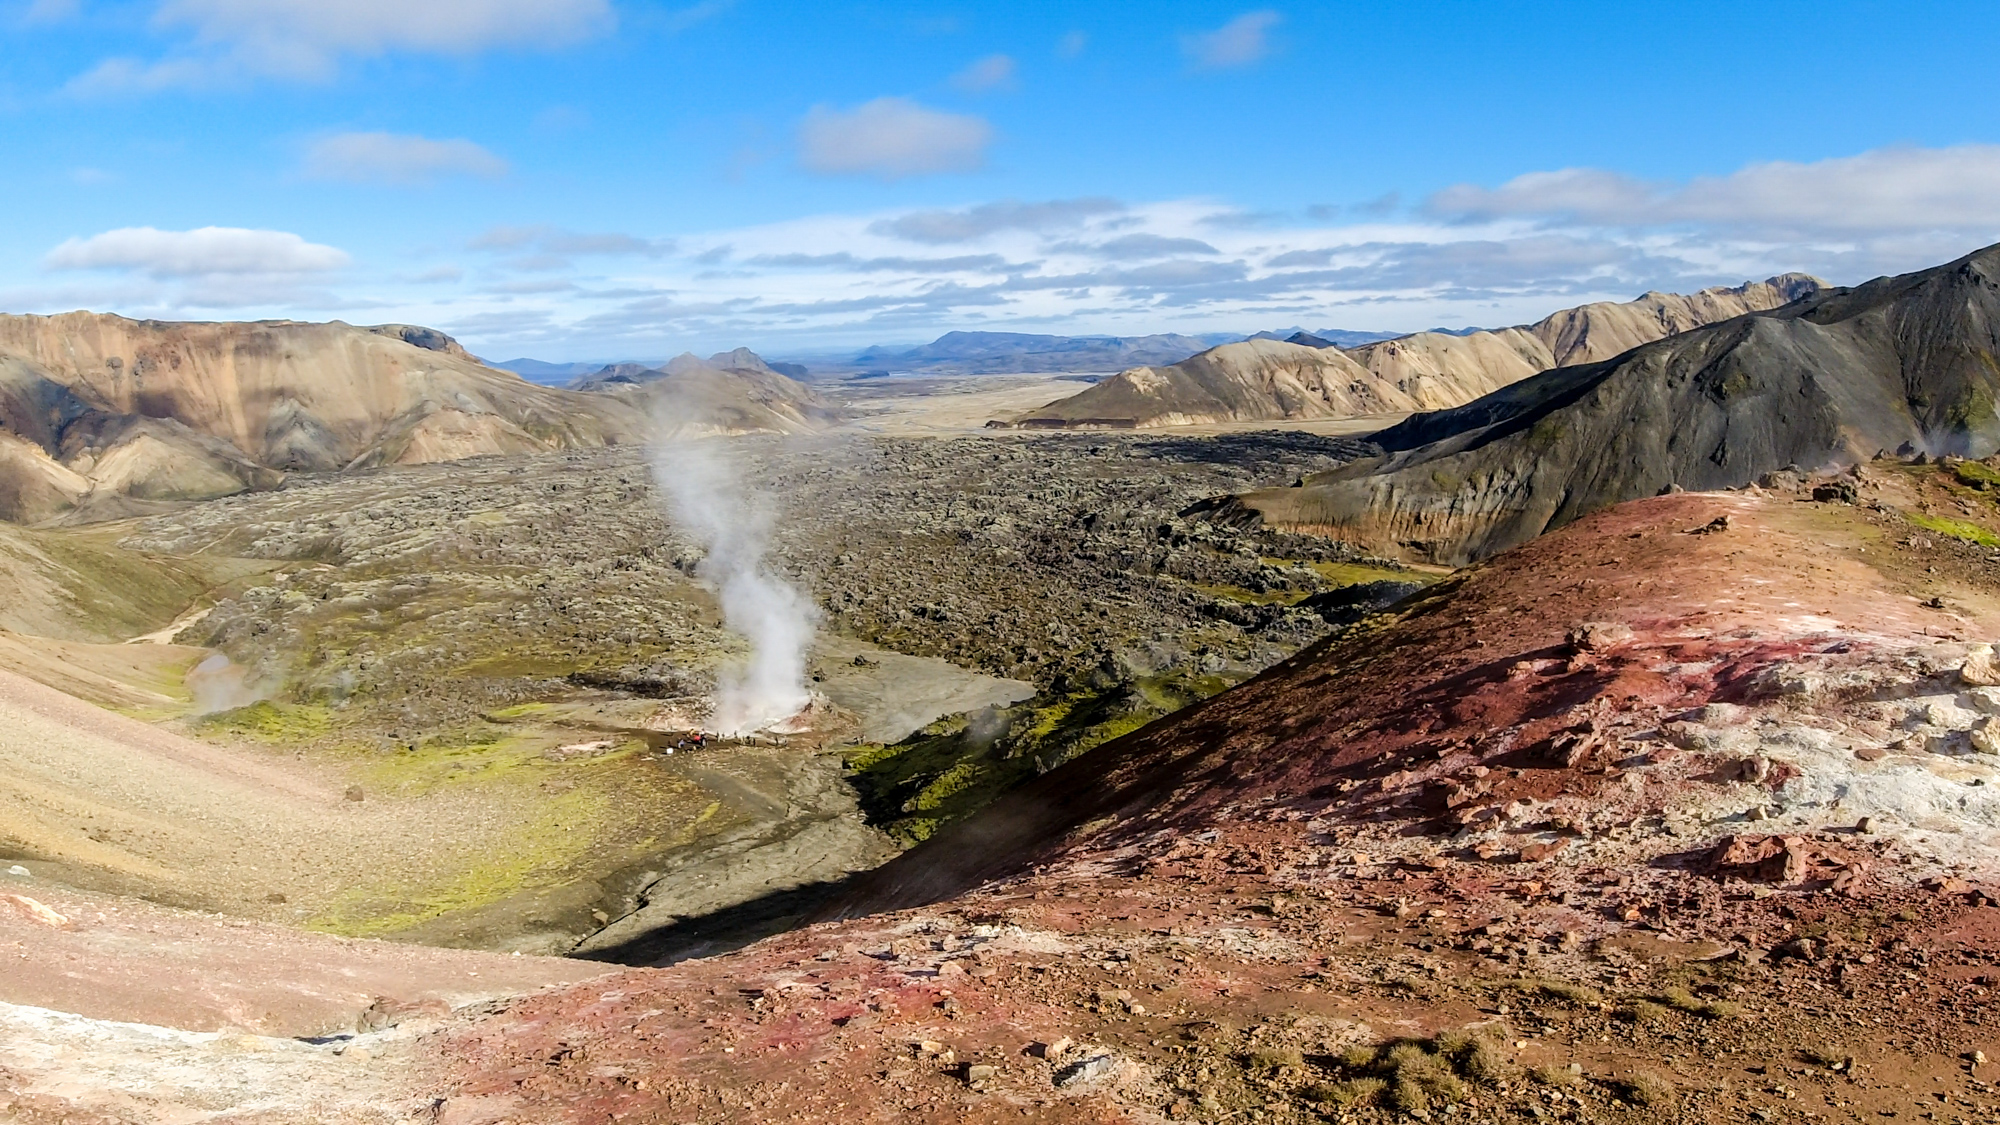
1956	529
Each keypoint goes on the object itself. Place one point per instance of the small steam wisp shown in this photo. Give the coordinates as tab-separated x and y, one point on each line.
706	496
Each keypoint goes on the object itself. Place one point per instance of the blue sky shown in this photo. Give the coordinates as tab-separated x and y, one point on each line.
608	178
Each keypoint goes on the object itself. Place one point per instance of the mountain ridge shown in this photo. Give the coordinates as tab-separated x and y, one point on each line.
1833	379
1421	371
95	406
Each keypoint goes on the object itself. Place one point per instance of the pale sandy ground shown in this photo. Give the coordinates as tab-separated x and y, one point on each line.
963	404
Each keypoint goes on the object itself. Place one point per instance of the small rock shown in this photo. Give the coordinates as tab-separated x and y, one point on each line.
37	912
1979	1058
1053	1050
1985	700
1871	753
1804	949
1094	1067
1985	736
355	793
1865	826
975	1073
19	872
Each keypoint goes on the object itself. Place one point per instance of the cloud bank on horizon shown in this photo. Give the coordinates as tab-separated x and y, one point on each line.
518	171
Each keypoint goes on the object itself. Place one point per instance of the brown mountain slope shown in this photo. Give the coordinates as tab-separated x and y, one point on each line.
1486	361
1260	380
164	410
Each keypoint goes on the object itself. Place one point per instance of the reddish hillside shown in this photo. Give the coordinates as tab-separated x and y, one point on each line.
1686	812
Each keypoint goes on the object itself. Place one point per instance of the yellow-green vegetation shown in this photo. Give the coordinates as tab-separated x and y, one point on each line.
1956	529
520	711
539	851
551	821
272	721
81	584
956	766
1976	474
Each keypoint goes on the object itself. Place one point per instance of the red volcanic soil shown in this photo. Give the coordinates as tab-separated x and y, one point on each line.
1600	800
1686	812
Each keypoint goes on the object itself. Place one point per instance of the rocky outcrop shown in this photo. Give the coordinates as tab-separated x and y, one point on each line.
1829	380
1306	378
95	406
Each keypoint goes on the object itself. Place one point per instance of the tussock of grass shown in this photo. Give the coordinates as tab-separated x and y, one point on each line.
1647	1088
1559	1077
1571	991
1680	999
1277	1058
1642	1011
1352	1092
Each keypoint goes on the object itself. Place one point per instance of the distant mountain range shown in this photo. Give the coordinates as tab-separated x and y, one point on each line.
568	374
1307	375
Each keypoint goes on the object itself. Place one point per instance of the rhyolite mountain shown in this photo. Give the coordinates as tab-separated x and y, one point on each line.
1833	379
733	392
96	408
1304	378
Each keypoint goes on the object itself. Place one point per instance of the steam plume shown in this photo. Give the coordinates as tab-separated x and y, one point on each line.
707	497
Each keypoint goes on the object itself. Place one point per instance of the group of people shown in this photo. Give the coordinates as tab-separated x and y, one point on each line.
693	740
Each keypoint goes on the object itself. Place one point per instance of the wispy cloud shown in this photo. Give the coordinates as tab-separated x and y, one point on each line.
223	42
989	218
1883	190
552	240
395	158
205	252
994	72
1240	42
892	138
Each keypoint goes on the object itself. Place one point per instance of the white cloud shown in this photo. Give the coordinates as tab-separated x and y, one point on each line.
1885	190
1072	44
552	241
994	72
989	218
1240	42
229	41
207	252
892	138
395	158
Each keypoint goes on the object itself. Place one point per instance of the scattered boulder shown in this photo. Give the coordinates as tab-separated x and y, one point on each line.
1980	668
